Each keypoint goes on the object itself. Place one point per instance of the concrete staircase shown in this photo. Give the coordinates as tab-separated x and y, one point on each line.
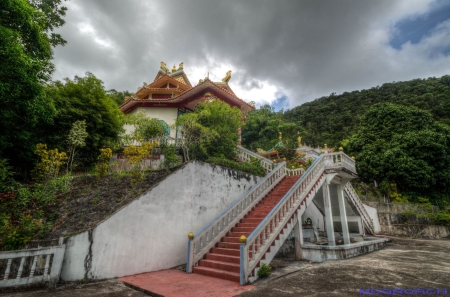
223	261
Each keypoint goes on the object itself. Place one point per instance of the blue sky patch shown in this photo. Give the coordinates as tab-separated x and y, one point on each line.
280	103
414	29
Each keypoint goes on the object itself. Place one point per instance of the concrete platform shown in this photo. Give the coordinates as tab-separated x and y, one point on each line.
322	253
173	282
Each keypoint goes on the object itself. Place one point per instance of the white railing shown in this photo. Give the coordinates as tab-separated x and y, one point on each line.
218	228
45	260
295	171
351	194
260	240
246	155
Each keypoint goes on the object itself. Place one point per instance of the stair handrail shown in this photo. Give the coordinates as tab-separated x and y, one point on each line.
294	171
245	155
360	207
260	240
207	238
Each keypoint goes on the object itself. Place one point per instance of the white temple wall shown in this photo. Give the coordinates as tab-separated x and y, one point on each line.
169	115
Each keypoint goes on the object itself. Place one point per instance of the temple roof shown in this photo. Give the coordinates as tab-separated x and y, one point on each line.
174	90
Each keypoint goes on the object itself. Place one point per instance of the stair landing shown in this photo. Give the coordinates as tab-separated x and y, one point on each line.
223	261
174	283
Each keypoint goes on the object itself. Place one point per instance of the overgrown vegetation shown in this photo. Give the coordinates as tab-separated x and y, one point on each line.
23	208
254	168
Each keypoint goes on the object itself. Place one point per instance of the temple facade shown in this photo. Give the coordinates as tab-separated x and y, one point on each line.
172	94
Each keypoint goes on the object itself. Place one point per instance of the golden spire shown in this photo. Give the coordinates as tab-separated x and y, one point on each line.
174	68
280	136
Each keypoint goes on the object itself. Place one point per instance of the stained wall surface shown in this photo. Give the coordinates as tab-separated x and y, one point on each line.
150	233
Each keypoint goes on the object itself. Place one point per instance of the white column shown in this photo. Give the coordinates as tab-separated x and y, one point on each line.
328	214
298	235
343	214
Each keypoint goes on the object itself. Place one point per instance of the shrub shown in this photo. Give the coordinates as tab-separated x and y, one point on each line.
103	165
254	168
264	270
50	162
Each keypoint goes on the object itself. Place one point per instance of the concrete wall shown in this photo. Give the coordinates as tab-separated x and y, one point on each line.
373	214
395	224
150	233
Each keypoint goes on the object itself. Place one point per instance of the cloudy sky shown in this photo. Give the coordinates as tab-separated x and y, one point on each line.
280	52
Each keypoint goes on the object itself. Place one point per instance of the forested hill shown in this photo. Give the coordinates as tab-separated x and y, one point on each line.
336	117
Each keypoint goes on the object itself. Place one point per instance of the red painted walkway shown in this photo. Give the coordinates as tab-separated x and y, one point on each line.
173	282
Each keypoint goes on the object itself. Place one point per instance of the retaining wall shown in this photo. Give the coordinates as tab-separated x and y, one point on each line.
150	233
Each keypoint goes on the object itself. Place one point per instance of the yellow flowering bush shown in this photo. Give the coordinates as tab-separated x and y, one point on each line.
136	156
50	162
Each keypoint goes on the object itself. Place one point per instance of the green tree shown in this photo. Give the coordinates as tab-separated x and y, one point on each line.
118	97
25	54
194	136
84	99
76	139
404	146
262	126
223	121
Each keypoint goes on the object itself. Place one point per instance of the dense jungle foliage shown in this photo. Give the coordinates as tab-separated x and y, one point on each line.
336	117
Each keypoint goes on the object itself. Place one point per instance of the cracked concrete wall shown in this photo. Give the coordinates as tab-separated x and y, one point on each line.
150	233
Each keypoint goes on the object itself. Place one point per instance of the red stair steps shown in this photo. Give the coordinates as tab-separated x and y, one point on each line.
223	261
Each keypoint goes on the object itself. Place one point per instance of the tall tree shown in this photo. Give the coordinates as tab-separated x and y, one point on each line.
224	121
25	54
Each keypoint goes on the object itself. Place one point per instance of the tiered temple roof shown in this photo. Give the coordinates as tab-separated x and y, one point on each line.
173	89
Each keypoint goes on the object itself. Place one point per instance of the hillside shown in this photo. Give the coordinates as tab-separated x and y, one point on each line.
336	117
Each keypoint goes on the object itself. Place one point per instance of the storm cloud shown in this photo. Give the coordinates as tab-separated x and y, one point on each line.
295	50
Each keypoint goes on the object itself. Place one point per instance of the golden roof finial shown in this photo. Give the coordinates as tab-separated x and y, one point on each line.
180	66
280	136
163	67
174	68
299	139
226	79
325	146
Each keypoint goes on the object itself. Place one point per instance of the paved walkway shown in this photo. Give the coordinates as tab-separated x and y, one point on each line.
175	283
403	264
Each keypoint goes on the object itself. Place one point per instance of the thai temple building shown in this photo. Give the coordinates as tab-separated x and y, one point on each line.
172	94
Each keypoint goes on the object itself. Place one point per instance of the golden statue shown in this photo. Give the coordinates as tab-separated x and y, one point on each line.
299	139
280	136
163	67
174	68
180	66
227	77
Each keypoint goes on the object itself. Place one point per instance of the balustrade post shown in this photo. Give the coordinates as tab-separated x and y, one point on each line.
190	256
243	261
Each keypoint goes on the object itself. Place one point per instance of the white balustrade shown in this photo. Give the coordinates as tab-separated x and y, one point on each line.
218	228
294	171
351	194
19	279
246	155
